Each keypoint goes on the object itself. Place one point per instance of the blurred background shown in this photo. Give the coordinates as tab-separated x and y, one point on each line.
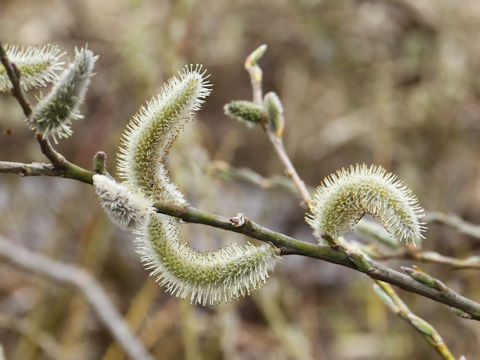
390	82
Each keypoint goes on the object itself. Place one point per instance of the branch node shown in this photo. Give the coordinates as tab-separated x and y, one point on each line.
239	220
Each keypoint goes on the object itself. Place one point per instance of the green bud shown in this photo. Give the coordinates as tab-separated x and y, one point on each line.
274	109
245	111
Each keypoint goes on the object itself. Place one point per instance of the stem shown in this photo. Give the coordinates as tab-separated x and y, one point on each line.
282	154
255	73
399	308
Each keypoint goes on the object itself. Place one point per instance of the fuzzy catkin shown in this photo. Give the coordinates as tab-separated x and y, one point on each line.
54	113
150	134
124	207
37	65
204	278
345	197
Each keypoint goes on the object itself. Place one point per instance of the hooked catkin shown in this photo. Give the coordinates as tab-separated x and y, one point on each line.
345	197
205	278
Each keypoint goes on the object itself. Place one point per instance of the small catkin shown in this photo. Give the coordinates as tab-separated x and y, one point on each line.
37	65
345	197
54	113
124	207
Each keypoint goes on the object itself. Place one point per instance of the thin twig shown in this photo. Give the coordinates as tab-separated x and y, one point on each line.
14	76
360	261
454	222
86	284
67	169
255	73
390	298
25	327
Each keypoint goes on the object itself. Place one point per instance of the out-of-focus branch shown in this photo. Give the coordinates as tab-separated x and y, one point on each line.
472	262
86	284
44	341
390	298
32	169
454	222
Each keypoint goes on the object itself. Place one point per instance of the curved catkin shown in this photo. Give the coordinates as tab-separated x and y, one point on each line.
205	278
37	65
127	209
150	134
345	197
54	113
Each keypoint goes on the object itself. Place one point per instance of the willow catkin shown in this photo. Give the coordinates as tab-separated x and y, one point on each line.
345	197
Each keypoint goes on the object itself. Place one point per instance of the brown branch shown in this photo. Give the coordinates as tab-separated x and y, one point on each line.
14	76
399	308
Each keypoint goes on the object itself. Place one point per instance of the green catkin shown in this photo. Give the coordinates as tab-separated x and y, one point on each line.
345	197
37	65
54	113
205	278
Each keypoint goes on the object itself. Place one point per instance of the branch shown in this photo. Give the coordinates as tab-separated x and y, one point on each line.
87	285
388	296
32	169
454	222
14	76
290	246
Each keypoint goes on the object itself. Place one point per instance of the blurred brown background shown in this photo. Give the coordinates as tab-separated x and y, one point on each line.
391	82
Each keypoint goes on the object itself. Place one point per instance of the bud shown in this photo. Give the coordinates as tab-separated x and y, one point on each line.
245	111
274	109
150	134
